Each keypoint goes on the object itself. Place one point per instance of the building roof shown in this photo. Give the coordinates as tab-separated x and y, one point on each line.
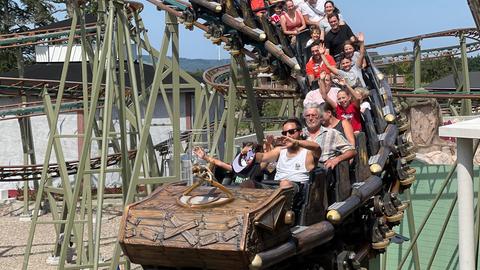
53	71
448	82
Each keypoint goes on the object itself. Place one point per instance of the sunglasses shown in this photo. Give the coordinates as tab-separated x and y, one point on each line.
290	131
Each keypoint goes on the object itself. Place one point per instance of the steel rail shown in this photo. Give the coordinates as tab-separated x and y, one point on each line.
31	39
217	77
35	87
471	33
159	4
428	54
15	45
437	96
16	173
43	31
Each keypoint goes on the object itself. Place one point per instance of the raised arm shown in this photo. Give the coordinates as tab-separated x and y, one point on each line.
309	145
357	97
361	40
333	69
324	91
270	156
200	153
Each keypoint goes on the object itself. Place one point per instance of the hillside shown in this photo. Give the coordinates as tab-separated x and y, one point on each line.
194	65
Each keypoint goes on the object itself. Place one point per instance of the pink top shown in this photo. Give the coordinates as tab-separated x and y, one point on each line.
315	96
291	25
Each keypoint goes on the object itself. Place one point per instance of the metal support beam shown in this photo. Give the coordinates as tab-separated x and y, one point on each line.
417	71
251	100
232	100
411	230
467	257
466	103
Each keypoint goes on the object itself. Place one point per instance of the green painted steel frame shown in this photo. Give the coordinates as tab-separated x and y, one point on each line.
445	183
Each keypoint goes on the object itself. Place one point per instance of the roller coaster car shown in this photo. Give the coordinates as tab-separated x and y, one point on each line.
180	227
163	231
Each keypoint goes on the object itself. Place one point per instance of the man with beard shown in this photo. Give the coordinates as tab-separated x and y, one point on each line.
295	157
335	148
316	65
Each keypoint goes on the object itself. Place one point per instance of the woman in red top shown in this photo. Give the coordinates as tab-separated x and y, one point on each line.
292	21
345	108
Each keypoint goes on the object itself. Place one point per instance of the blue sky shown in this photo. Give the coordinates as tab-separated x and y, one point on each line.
379	20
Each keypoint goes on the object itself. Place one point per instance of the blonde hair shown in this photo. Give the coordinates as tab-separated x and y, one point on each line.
364	92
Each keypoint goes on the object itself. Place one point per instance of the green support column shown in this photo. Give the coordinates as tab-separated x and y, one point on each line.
172	23
466	103
252	102
417	72
231	110
411	230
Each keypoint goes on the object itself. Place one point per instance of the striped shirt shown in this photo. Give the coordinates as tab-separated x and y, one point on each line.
332	143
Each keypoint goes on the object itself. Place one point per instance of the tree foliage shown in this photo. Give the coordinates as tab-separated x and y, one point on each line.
20	16
432	70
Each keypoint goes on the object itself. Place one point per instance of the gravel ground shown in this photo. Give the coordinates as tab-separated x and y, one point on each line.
14	234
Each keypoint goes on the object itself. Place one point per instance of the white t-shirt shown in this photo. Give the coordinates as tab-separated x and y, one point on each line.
292	168
355	57
297	3
306	10
353	77
365	105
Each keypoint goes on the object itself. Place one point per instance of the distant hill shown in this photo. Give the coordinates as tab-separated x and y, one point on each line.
193	65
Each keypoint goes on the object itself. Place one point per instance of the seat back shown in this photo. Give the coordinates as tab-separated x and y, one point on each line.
362	170
301	52
342	184
373	144
315	202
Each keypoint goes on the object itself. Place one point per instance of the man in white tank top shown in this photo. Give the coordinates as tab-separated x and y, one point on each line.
296	158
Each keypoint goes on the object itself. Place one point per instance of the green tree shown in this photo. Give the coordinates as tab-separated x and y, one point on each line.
20	16
433	69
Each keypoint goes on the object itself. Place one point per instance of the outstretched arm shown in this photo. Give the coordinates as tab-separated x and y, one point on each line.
333	69
324	91
200	153
361	40
309	145
357	97
270	156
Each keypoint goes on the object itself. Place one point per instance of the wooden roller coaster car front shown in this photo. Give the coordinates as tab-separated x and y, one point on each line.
162	231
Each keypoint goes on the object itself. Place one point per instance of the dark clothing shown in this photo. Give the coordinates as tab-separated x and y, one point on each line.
334	40
339	127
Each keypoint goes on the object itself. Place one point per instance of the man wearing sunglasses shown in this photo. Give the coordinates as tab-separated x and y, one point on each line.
295	157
